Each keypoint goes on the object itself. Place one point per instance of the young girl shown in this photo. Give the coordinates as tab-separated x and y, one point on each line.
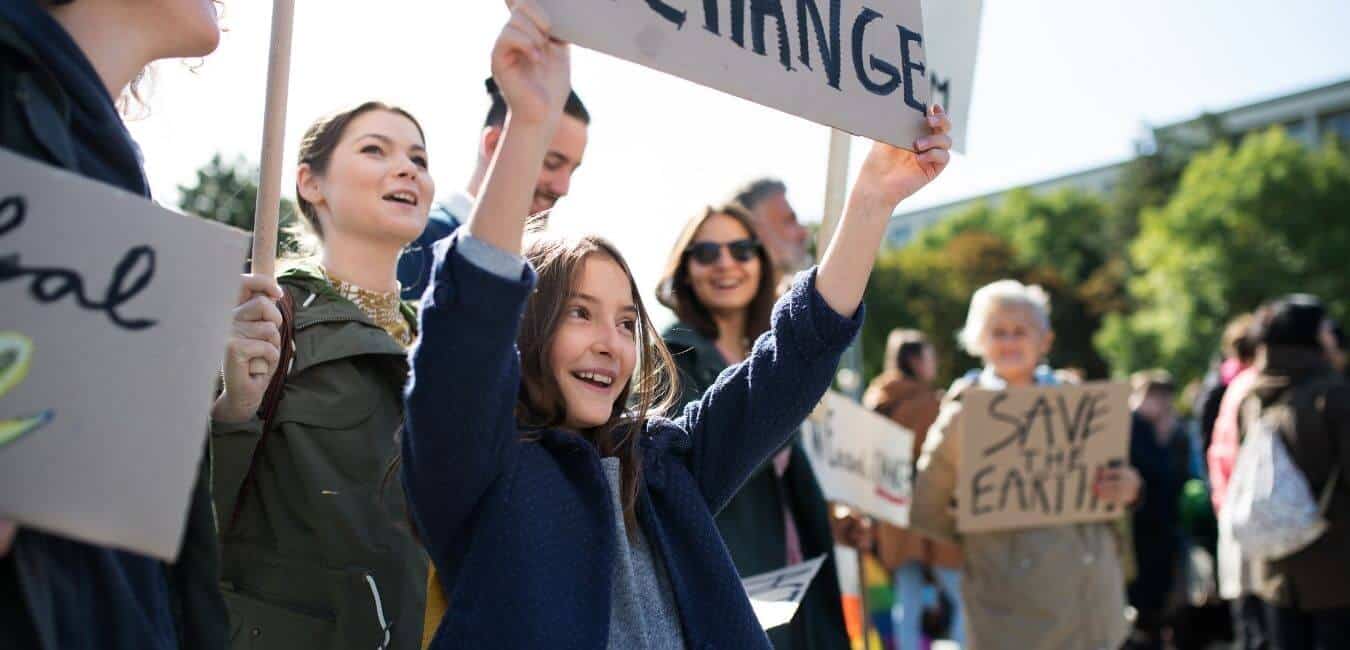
904	393
1047	587
556	515
317	550
721	284
63	67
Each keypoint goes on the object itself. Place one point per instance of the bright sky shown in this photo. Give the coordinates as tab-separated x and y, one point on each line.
1061	85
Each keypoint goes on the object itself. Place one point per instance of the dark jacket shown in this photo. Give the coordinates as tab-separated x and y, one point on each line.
55	592
752	522
1156	521
320	552
1310	404
414	265
519	528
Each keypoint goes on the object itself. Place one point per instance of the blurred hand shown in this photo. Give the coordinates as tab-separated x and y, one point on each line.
894	174
8	529
532	69
852	529
255	335
1118	485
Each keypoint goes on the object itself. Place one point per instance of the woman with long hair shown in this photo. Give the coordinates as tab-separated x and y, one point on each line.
721	284
559	507
904	393
317	550
64	66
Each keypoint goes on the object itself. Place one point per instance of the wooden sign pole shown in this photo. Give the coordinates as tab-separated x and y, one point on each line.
266	213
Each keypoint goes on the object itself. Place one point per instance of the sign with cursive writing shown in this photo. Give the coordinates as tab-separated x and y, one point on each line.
1030	455
856	65
861	458
114	318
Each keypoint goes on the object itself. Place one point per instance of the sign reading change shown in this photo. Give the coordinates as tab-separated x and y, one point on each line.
113	328
1029	456
861	458
856	65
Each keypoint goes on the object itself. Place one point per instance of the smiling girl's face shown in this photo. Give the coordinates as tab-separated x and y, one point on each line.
594	348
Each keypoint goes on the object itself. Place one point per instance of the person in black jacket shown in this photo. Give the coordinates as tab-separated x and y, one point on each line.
60	78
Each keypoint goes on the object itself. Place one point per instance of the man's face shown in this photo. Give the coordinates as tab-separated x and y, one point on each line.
783	236
564	157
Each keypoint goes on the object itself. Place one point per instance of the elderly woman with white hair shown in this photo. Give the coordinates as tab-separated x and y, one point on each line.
1047	587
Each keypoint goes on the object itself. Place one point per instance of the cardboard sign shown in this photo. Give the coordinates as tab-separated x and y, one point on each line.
112	333
776	595
1029	456
951	38
856	65
861	458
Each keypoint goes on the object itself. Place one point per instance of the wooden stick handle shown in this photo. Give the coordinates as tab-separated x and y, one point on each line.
266	213
836	183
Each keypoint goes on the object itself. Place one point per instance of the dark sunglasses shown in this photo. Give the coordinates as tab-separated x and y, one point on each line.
707	252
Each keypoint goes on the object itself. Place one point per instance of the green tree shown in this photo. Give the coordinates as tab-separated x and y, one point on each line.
228	192
1247	223
1061	241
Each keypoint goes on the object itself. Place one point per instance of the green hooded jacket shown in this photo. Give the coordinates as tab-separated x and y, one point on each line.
317	552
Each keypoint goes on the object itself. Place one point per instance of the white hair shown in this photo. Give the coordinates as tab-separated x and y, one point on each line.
1003	293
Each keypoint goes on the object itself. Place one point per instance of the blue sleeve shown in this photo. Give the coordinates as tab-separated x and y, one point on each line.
754	406
460	432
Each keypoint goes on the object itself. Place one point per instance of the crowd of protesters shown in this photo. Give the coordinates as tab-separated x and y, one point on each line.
470	433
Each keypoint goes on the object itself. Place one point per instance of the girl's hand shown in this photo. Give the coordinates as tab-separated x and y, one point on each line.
893	174
1117	485
531	68
255	334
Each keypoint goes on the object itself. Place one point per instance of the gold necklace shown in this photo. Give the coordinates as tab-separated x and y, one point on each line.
382	307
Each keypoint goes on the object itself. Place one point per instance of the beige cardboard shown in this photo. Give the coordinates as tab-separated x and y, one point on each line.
861	458
1029	455
762	59
951	39
126	405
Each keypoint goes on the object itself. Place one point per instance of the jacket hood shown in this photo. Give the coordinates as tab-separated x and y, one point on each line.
1286	366
890	387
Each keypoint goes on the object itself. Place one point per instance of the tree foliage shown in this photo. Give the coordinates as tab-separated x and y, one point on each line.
228	192
1247	223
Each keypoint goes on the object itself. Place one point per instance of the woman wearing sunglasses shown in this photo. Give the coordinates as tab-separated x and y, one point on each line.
720	283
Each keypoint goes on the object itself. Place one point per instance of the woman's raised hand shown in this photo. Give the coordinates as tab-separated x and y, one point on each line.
531	67
255	333
893	174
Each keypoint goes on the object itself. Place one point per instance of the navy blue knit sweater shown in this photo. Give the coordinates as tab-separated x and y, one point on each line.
520	530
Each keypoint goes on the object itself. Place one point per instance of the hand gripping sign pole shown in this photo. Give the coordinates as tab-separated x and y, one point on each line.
266	211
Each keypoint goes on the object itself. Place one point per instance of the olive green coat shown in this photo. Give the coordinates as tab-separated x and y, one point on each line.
319	554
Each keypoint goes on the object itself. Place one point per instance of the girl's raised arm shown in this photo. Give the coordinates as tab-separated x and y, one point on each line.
533	71
461	432
889	175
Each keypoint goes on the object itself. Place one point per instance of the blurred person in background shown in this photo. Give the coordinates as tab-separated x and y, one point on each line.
1161	452
904	393
1307	593
1237	353
776	222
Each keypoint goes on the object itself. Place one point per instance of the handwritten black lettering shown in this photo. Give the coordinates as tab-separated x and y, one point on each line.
829	48
941	87
893	75
910	66
759	11
675	16
1013	476
49	284
978	489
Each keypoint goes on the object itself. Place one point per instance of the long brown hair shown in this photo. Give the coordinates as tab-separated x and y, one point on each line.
558	262
676	292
